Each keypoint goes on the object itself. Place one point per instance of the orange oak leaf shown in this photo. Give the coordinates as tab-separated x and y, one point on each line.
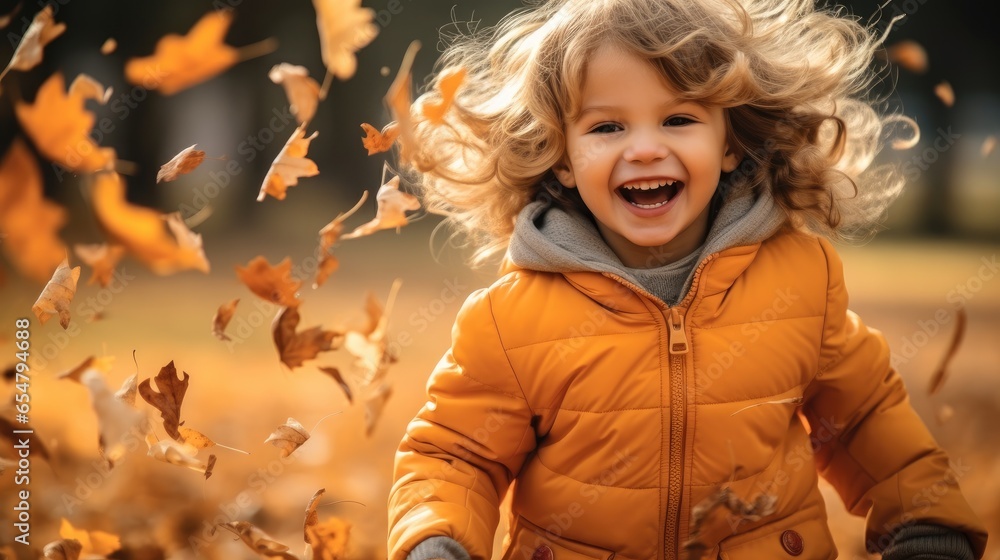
290	164
339	378
909	55
378	141
374	405
184	162
169	398
273	283
328	237
391	213
63	549
180	454
258	541
288	437
399	99
28	222
162	242
945	93
294	348
57	295
448	84
302	91
344	28
369	346
86	87
102	259
108	46
60	126
42	31
222	317
92	542
180	62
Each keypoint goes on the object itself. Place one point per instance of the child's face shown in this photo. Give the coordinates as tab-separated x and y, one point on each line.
646	163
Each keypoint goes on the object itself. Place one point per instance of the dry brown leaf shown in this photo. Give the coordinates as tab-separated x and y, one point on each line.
294	348
222	317
60	126
86	87
183	163
116	420
57	295
376	141
370	346
181	61
102	259
102	365
42	31
258	541
161	242
109	46
288	437
336	375
290	164
63	550
312	517
169	398
399	100
126	394
374	405
392	207
910	55
273	283
328	237
724	498
28	222
344	28
448	84
941	373
327	540
945	93
302	91
180	454
989	144
91	542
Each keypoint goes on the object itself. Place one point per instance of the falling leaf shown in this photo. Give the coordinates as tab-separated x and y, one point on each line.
944	414
288	437
374	406
180	454
302	91
989	144
109	46
183	163
102	259
57	295
60	127
290	164
941	373
258	541
222	317
792	400
312	517
945	93
28	222
328	237
336	375
116	420
273	283
100	364
91	542
344	28
294	348
399	100
63	550
724	498
370	345
327	540
85	87
392	207
448	84
42	31
377	142
169	398
909	55
126	394
180	62
162	243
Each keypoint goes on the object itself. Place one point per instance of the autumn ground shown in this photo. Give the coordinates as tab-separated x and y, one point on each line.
240	392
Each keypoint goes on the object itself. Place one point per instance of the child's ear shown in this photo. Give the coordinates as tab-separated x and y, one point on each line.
730	159
564	173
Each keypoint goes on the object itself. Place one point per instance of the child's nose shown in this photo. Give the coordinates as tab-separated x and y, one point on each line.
646	147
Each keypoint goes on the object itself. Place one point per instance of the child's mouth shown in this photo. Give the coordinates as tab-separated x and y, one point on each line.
650	194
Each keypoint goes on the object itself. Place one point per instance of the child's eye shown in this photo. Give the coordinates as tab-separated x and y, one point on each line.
606	128
678	121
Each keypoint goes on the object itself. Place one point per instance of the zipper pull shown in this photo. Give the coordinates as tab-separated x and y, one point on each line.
677	339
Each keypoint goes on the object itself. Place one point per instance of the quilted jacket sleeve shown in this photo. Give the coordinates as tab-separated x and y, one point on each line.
463	448
874	449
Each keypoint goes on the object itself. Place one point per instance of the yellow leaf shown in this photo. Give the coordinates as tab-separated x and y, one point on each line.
57	295
42	31
302	91
290	164
448	84
399	100
391	213
272	283
180	454
184	162
344	28
378	141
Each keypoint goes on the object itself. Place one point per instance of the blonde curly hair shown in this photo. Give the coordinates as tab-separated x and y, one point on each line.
792	80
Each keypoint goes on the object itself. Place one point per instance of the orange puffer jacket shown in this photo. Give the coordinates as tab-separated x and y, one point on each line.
621	420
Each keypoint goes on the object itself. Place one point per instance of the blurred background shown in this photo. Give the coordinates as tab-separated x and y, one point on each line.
936	252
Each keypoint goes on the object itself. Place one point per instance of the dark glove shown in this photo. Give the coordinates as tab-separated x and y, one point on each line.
929	542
